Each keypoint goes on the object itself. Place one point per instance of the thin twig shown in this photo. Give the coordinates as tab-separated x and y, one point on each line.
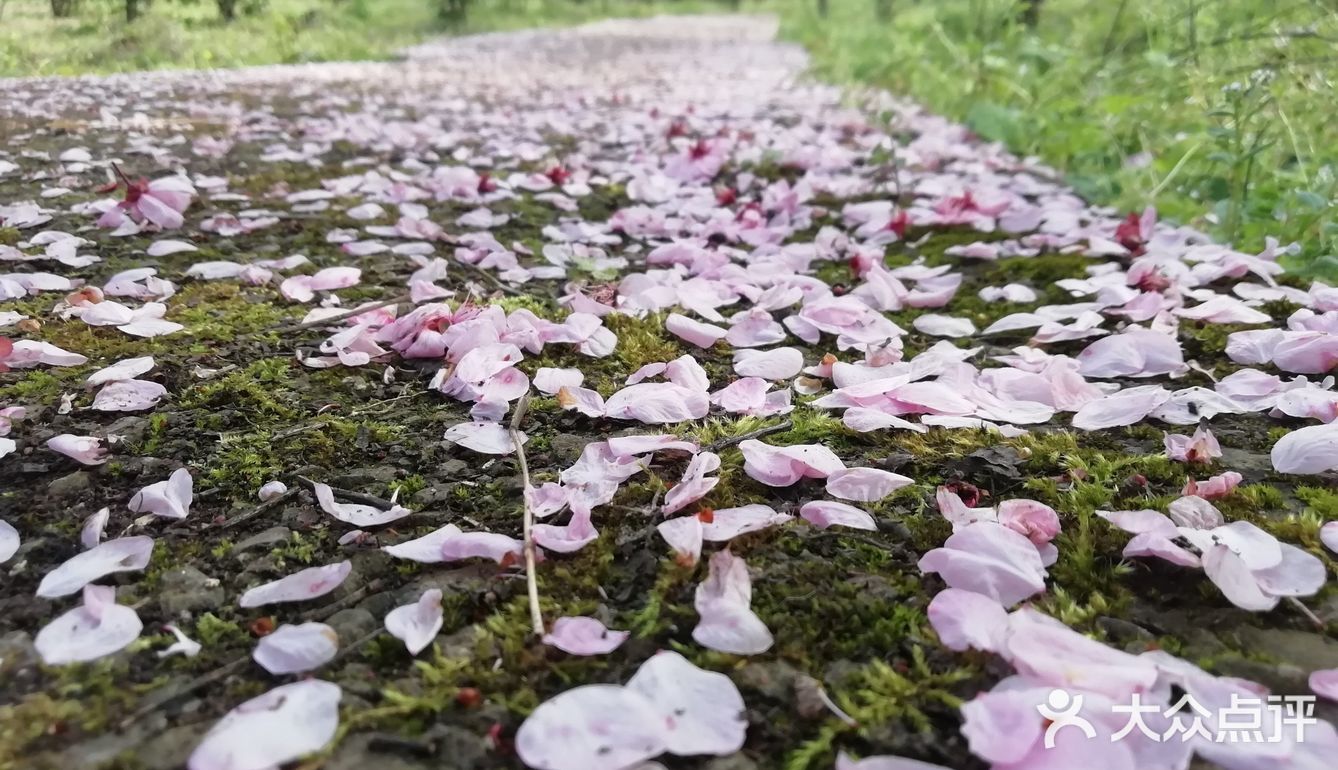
531	581
334	319
264	507
490	278
1312	617
353	597
760	432
348	494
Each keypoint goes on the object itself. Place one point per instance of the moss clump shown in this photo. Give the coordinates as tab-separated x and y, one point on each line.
641	341
264	389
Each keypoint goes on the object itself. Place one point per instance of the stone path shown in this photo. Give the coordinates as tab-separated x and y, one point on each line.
851	331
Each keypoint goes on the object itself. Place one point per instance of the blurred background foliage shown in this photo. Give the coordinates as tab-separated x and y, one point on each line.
1219	112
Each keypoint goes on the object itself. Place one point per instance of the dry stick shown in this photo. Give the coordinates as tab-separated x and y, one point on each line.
264	507
531	581
334	319
490	278
1312	617
348	494
760	432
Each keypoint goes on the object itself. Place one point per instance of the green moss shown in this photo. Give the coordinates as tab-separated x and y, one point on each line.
300	549
38	386
263	388
641	341
214	632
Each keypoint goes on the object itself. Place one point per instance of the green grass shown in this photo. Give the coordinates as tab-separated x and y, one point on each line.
1214	110
175	34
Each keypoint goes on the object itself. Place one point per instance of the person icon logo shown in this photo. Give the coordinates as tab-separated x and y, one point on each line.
1061	710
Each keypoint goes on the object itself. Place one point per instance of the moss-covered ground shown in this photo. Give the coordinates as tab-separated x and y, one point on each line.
845	608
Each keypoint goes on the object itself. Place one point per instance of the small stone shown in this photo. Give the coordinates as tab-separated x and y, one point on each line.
187	589
268	539
453	467
432	495
463	749
170	748
352	624
566	448
1302	649
775	680
1279	678
1130	636
71	485
130	427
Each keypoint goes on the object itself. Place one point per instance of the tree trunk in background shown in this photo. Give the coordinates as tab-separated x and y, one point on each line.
822	8
882	10
227	9
131	11
1031	12
62	9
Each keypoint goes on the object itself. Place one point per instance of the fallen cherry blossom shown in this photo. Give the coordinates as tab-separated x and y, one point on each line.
417	624
97	628
296	649
272	729
584	636
310	583
168	499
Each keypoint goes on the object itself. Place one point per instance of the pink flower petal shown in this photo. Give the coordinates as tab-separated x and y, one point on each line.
129	396
1328	535
361	516
84	449
97	628
695	484
294	649
9	541
309	583
684	535
781	466
484	437
778	364
121	555
989	559
657	403
169	499
964	619
865	485
584	636
884	762
549	380
1036	521
569	538
272	729
584	400
594	727
127	369
1123	408
1325	683
91	533
728	523
1228	571
485	545
1312	449
703	335
701	711
727	622
417	624
826	513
